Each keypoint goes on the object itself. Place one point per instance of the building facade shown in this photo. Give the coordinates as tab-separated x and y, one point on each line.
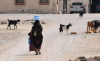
42	6
28	6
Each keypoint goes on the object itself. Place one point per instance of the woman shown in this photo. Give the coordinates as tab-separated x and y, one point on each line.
36	37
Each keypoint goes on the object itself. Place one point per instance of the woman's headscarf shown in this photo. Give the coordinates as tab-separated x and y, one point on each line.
36	24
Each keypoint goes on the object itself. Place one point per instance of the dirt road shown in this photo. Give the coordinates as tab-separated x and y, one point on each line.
14	43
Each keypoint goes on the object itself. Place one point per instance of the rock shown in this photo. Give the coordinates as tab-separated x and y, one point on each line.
4	41
80	59
43	22
84	36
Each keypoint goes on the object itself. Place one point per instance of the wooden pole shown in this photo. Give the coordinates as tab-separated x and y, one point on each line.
66	6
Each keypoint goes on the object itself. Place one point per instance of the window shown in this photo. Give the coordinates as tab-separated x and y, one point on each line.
19	2
79	3
76	3
44	2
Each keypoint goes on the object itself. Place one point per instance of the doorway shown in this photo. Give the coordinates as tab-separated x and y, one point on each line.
93	4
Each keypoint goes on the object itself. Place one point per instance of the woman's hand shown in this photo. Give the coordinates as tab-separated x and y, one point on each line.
36	29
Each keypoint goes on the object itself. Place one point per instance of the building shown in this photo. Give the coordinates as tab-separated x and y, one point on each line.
43	6
64	5
28	6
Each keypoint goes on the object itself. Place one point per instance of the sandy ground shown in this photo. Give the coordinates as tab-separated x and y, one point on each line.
14	43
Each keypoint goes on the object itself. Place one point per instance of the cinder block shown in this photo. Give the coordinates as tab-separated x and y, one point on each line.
73	33
87	32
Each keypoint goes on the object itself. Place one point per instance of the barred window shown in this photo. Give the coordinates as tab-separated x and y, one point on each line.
19	2
44	2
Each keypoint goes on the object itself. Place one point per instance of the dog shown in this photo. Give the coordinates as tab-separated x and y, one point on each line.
81	14
90	25
97	25
64	27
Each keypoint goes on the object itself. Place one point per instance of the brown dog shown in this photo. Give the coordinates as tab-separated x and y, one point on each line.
90	25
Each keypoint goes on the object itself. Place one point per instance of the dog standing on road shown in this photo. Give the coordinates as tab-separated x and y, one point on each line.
81	14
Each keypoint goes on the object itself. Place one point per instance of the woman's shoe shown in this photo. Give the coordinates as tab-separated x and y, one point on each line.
36	54
39	52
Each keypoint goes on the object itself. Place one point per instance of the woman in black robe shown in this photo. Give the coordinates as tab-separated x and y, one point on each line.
36	37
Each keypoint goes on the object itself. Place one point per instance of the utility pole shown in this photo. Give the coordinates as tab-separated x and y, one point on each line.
57	6
89	6
64	6
90	2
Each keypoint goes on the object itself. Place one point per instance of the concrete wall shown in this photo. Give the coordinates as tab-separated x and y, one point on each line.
61	5
31	6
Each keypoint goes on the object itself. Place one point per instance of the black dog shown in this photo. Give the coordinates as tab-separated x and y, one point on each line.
12	22
96	24
64	27
81	14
